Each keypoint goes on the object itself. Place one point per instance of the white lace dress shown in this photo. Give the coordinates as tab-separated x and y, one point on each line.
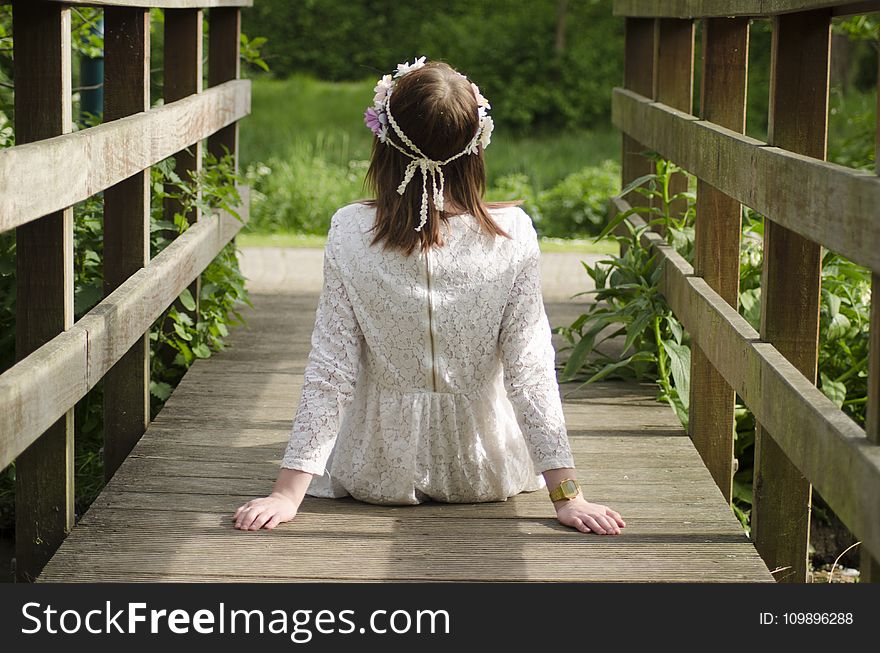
430	376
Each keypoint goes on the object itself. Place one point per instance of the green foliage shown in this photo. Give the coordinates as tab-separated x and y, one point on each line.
301	191
630	310
306	151
852	124
577	204
843	326
305	112
222	284
509	47
222	288
222	292
250	51
860	28
629	305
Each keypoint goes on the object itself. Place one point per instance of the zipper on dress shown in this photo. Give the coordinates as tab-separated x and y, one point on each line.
430	320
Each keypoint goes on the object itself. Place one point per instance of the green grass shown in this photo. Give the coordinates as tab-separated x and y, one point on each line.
580	246
280	239
327	117
304	111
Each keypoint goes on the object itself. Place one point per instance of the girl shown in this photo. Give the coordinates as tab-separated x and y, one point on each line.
431	373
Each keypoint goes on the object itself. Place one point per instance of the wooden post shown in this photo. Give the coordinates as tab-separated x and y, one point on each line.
725	43
183	77
674	82
638	75
224	34
800	58
126	228
44	498
870	566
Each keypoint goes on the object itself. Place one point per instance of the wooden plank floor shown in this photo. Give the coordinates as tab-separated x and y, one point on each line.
166	515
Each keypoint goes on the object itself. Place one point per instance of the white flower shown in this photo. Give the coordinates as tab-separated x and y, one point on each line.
404	68
486	135
482	102
383	86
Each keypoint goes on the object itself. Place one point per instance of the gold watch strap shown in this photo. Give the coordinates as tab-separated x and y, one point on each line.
559	493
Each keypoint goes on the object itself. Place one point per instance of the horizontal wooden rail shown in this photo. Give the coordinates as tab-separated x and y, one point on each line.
818	438
39	389
727	8
160	4
805	191
78	165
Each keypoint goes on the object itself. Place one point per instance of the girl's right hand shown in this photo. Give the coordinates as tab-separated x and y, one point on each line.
266	512
589	517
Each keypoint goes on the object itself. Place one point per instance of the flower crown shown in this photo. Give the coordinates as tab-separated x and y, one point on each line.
379	119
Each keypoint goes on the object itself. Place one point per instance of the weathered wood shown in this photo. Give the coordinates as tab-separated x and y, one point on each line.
870	572
818	437
638	75
224	63
126	229
83	163
183	77
162	4
805	190
870	566
679	526
872	426
44	509
706	510
348	549
43	386
730	8
725	43
790	283
673	81
674	84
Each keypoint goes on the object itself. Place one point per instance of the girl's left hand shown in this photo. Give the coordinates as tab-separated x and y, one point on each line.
266	512
589	517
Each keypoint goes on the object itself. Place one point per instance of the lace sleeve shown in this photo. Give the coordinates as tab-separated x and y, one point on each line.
528	360
330	375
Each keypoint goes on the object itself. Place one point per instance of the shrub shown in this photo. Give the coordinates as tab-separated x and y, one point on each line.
301	191
577	204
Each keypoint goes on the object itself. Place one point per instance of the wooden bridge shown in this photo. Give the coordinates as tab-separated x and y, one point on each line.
173	483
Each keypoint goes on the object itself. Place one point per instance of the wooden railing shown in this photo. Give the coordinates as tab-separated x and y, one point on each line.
802	439
58	360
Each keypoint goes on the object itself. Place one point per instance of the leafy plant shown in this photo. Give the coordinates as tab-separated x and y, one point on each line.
629	304
222	293
222	284
576	205
630	308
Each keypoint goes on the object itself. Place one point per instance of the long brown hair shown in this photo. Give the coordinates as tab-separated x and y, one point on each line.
437	110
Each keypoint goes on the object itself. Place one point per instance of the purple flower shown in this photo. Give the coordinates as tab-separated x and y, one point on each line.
371	118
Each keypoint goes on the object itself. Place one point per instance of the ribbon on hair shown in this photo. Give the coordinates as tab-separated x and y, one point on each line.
426	166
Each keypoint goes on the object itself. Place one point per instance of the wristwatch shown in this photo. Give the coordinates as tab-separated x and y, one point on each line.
567	489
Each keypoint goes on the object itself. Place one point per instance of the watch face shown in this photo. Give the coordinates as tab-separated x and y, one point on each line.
569	488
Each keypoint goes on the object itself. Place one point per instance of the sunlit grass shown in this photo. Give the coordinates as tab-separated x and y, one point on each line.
580	246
